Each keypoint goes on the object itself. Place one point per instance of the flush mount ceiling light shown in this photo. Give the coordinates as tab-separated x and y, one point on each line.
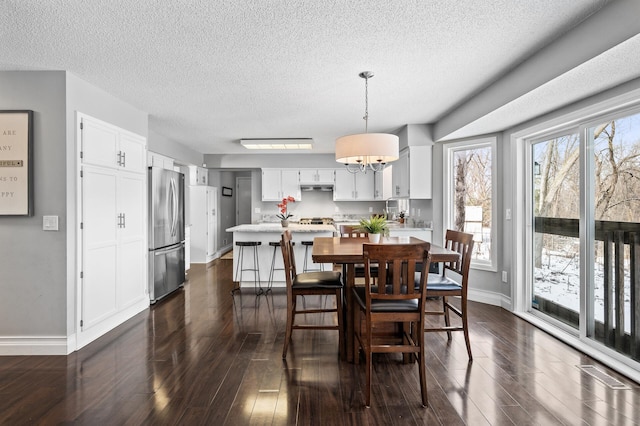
284	144
366	150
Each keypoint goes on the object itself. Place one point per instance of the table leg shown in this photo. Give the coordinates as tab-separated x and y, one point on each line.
348	296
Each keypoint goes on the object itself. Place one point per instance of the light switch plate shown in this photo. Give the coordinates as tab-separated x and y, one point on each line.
49	223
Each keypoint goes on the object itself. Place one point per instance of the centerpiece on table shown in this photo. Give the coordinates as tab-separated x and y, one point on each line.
284	214
375	226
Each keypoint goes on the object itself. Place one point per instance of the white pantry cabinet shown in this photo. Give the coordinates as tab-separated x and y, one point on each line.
280	183
113	229
107	146
204	222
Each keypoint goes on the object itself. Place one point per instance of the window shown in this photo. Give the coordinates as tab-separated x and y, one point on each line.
470	193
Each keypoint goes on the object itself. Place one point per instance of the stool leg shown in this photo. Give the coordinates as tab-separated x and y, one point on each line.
272	270
306	252
238	270
256	273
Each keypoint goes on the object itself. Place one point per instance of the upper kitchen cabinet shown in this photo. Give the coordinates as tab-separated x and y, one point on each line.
103	145
280	183
317	176
157	160
198	176
354	186
411	173
382	184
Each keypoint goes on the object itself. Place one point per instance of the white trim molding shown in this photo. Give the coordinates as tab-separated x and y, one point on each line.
33	345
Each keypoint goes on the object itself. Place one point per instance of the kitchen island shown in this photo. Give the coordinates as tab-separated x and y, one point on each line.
266	233
397	229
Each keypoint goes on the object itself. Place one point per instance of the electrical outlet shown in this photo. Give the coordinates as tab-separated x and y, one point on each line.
504	276
507	214
370	209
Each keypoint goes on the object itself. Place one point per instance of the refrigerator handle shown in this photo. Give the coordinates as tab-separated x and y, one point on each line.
173	206
171	249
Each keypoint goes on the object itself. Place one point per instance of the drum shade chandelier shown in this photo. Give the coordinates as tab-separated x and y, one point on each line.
366	150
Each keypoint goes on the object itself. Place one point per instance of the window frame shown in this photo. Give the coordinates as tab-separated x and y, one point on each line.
448	213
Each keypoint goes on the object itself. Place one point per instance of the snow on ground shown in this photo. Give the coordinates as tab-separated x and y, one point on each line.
558	280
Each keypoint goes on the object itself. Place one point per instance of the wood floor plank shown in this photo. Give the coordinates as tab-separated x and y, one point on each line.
204	357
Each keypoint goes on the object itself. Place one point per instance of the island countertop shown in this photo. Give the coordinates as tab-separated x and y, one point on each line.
278	228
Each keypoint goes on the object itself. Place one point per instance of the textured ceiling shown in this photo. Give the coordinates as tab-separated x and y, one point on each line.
212	72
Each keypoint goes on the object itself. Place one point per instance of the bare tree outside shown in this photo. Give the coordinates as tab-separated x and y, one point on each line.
614	184
473	186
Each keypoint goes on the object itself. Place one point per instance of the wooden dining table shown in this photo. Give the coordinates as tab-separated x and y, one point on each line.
347	251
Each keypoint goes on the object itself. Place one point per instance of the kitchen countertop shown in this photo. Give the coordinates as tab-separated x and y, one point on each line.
394	225
277	227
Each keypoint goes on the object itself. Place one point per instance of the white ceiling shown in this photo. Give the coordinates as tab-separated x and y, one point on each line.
212	72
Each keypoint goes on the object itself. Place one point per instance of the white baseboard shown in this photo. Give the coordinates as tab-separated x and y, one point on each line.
33	345
84	337
487	297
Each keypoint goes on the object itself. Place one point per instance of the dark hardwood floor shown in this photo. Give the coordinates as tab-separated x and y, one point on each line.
205	357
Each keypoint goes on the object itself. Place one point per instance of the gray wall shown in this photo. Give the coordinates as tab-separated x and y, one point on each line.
33	262
179	152
38	268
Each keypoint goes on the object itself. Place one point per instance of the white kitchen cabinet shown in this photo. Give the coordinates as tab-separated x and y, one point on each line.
411	173
354	186
113	229
317	176
382	182
422	233
158	160
280	183
198	176
400	171
105	145
204	222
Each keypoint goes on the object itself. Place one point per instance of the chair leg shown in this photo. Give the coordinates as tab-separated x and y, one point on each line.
291	309
422	370
445	308
340	314
369	367
465	329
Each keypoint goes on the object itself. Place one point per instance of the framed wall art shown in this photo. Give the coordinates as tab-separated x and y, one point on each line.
227	192
16	163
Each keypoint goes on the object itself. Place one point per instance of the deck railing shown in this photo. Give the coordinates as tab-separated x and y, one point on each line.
621	244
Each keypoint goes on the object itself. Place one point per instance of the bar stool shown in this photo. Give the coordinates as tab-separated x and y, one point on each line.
305	268
255	267
276	249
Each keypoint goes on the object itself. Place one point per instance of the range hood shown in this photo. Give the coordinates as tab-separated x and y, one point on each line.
318	187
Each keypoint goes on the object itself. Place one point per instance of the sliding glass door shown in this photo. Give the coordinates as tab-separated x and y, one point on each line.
555	289
585	240
614	193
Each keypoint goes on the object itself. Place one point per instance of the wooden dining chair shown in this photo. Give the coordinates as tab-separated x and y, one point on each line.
320	283
452	282
351	231
390	318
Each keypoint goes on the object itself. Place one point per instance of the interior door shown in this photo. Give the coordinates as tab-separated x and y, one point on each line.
131	202
100	241
212	220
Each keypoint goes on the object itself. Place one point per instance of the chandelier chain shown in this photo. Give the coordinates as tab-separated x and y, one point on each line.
366	104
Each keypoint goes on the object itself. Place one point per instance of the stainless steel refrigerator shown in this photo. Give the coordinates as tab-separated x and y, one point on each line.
166	232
